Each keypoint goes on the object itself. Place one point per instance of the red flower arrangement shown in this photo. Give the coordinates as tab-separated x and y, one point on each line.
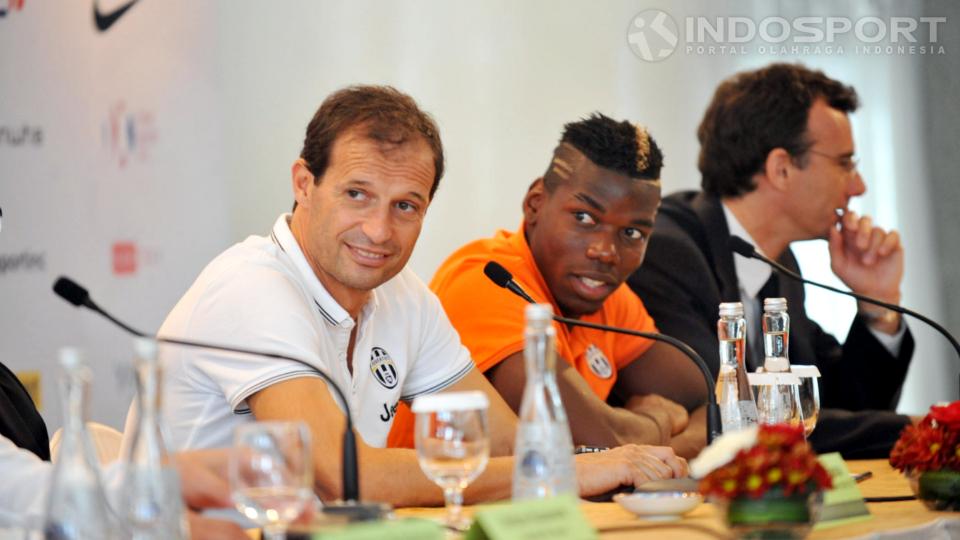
931	445
779	457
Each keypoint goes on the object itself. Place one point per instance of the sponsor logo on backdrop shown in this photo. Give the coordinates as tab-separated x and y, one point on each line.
25	261
653	35
102	19
124	258
128	135
128	257
9	6
20	135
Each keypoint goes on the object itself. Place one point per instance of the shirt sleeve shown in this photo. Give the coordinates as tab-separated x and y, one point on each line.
260	308
628	311
441	360
489	319
893	342
25	481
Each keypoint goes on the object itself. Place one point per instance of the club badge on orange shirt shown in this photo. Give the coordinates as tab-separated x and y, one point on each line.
598	362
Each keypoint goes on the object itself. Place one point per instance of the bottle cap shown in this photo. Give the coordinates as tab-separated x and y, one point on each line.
731	309
774	304
539	313
70	358
145	348
776	364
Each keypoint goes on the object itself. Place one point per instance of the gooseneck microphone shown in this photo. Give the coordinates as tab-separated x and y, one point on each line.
77	295
503	278
742	247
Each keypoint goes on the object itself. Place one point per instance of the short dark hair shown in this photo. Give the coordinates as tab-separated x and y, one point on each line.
619	146
754	112
387	116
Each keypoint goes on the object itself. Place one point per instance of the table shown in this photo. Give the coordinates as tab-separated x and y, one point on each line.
705	522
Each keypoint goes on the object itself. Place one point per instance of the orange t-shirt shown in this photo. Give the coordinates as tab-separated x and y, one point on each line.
491	324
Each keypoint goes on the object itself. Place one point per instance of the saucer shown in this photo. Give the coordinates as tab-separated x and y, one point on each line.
661	506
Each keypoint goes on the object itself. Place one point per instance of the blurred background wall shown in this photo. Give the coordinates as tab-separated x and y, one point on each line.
135	148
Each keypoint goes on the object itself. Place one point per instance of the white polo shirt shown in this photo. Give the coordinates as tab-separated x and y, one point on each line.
262	294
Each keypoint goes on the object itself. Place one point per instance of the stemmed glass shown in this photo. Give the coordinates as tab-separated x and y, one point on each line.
453	444
809	396
271	474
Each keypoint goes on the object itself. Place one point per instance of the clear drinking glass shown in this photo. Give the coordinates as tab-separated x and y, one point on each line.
453	444
271	474
809	396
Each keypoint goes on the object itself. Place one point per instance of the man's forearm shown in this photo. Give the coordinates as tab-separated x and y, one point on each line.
394	476
693	439
617	426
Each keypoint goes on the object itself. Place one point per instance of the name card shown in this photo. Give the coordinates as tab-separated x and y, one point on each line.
401	529
844	503
557	518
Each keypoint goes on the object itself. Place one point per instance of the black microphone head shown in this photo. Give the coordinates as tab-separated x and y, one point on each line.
71	291
497	273
741	246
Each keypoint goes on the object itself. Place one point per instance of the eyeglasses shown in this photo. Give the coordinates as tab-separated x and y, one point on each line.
847	163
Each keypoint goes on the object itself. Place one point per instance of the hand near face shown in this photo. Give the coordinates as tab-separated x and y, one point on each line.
628	465
867	258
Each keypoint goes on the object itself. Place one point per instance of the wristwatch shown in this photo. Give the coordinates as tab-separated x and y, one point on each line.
882	316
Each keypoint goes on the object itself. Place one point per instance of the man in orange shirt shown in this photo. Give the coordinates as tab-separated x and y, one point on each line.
585	228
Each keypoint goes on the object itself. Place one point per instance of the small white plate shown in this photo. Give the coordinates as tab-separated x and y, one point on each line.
662	506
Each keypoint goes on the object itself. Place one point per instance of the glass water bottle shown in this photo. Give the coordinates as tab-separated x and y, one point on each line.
778	399
76	506
738	409
152	506
544	448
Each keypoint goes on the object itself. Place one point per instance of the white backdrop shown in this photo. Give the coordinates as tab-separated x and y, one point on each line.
170	135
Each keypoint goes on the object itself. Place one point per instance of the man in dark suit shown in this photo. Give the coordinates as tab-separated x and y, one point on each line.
777	164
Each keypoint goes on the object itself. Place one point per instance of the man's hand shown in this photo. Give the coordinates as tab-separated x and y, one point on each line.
204	528
629	465
866	258
869	260
653	405
203	485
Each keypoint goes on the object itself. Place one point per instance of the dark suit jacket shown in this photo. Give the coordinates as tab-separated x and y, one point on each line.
19	419
689	270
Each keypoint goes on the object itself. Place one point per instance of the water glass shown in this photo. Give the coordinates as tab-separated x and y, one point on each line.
809	396
453	444
271	474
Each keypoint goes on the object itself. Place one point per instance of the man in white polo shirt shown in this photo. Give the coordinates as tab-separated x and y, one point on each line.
329	286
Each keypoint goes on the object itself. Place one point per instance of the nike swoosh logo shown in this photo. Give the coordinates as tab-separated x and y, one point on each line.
103	21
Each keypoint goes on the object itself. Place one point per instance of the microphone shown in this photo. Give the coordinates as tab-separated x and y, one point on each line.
77	295
503	278
742	247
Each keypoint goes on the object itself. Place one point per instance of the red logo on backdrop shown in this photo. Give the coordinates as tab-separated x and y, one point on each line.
124	258
9	6
128	134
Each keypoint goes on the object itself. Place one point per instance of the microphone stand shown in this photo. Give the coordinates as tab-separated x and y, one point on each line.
713	409
350	506
744	248
501	277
